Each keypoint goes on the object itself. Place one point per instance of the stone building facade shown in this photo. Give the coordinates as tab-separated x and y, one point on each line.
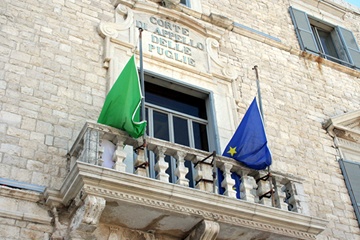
59	58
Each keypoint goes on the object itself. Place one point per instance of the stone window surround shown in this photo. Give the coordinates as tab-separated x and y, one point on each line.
345	130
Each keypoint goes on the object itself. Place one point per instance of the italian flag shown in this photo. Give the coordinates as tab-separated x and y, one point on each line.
122	105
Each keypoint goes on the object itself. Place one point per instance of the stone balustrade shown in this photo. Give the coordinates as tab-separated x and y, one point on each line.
213	173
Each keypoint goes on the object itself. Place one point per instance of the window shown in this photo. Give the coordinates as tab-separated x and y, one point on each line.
351	172
185	2
193	4
331	42
177	114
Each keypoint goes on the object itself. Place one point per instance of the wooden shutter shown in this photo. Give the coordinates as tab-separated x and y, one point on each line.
350	45
351	172
303	30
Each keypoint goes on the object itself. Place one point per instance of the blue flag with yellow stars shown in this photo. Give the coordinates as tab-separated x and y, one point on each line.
249	144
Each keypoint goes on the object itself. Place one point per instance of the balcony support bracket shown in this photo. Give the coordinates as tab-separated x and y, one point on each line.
205	230
86	218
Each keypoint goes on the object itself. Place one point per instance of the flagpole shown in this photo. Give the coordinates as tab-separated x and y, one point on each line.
258	90
143	117
262	115
142	81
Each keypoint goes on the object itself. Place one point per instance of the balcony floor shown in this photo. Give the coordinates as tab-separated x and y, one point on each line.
149	205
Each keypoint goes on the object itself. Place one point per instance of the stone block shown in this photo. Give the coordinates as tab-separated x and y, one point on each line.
44	127
10	118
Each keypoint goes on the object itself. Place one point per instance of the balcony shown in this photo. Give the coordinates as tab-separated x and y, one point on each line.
104	203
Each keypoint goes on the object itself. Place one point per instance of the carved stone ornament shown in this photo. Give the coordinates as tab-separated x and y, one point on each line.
205	230
206	214
212	48
124	18
87	216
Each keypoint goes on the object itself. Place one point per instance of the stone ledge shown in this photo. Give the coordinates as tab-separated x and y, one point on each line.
25	216
135	192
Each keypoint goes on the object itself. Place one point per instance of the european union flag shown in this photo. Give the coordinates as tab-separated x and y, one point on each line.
249	143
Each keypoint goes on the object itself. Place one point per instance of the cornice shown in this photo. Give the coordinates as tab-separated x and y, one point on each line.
215	214
129	188
342	126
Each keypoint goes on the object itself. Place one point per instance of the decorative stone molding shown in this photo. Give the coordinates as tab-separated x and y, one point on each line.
188	49
87	216
205	230
345	129
124	18
241	222
212	46
346	144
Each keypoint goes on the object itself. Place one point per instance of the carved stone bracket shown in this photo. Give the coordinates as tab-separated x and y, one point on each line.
124	19
87	216
205	230
212	48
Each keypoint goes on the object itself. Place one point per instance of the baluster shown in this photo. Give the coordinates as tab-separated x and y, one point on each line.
279	194
101	151
264	192
119	156
91	143
161	165
181	170
295	198
204	175
228	182
140	163
248	187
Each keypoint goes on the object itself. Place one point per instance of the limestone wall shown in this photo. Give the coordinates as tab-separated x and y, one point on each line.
52	80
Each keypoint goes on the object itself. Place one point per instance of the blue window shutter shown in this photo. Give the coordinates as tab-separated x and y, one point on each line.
350	45
303	30
351	172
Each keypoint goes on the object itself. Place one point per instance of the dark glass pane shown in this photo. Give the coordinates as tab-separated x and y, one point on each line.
181	133
174	100
190	174
327	43
183	2
161	126
200	136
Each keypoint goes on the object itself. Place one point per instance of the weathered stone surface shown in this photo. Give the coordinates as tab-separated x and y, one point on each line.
52	80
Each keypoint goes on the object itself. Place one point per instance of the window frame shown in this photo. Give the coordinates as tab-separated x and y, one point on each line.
187	3
347	48
212	131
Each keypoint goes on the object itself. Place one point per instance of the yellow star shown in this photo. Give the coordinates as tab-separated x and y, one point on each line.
232	151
